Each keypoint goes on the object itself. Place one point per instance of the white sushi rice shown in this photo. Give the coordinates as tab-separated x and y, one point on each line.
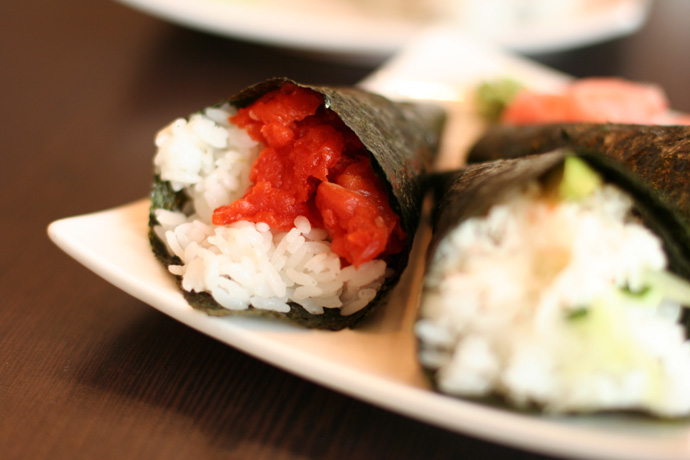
503	309
246	264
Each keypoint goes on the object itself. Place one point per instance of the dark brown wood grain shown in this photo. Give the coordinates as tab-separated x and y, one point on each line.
88	372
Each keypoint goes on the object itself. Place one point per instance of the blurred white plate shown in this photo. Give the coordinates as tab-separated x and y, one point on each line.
347	28
376	362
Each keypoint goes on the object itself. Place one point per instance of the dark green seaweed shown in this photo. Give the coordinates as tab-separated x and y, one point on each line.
658	155
402	139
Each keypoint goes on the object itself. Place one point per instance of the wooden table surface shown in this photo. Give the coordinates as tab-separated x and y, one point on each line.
88	372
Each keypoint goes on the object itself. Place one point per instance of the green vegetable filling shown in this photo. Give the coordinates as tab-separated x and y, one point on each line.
577	313
579	180
494	96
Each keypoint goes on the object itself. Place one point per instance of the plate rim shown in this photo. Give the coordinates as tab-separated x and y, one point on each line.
382	37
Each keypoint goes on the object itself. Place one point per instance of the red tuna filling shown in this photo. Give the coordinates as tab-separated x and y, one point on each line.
313	165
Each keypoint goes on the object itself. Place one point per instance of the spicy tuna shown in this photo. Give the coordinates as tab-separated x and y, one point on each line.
313	165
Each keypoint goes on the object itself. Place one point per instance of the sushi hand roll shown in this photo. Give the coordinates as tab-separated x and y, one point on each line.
290	200
556	282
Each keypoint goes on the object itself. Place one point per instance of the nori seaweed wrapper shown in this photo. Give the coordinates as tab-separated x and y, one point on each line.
657	154
472	190
402	139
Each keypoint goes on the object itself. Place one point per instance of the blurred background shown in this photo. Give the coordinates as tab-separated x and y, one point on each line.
130	66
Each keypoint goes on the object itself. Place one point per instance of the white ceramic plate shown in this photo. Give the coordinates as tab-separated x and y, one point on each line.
346	28
376	363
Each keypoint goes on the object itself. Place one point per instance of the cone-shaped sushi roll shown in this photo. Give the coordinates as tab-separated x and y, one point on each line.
659	155
291	200
557	282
